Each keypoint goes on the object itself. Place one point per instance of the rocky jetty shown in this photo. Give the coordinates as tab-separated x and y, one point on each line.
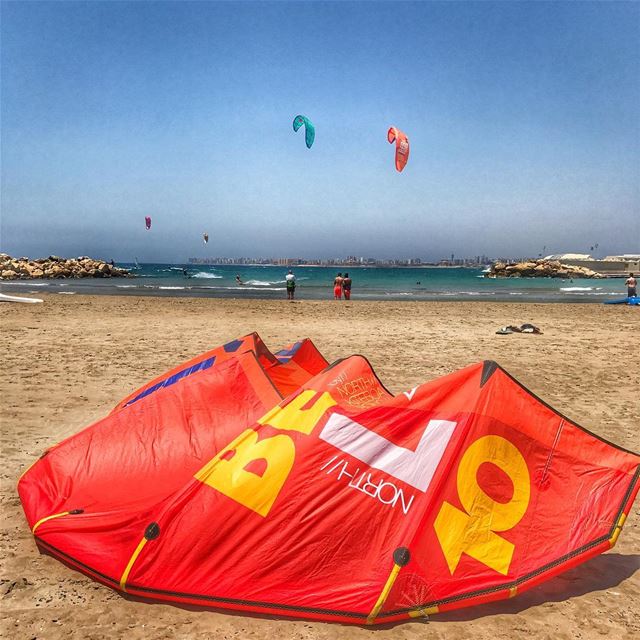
540	269
55	267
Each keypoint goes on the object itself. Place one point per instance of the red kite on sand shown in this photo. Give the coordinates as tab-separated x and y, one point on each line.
274	483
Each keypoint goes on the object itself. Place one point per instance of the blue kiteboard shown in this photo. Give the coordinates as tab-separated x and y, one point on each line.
635	301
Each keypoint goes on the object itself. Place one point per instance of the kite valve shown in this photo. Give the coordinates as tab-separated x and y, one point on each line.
152	531
401	556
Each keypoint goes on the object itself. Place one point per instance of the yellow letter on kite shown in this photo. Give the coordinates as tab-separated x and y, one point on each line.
227	471
472	531
292	417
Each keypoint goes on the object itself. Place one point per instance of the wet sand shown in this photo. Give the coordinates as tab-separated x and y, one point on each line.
66	362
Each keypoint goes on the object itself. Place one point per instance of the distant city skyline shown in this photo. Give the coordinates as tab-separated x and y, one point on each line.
523	120
346	261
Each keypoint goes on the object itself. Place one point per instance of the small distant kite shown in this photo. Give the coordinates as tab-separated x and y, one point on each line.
402	147
309	129
147	222
205	237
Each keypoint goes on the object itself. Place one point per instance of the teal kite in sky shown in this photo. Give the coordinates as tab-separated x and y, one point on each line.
309	129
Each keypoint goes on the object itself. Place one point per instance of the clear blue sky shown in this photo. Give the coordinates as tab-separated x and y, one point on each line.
523	119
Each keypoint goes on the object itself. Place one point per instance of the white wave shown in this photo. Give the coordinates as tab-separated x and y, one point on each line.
245	288
576	288
261	283
171	288
206	274
467	293
126	286
66	293
26	283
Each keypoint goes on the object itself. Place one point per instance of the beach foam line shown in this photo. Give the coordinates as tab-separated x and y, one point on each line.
260	283
245	288
576	288
26	283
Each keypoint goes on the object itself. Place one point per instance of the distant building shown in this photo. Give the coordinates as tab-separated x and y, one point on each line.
612	266
625	257
569	256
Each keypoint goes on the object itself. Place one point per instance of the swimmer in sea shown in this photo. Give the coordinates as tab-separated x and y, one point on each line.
337	287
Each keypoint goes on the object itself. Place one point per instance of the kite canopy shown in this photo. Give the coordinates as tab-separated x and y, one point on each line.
205	237
402	147
274	483
309	129
147	222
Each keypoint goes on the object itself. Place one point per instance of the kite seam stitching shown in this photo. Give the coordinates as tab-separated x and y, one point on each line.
553	450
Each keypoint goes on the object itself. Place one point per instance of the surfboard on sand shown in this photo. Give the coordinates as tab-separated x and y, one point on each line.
635	301
5	298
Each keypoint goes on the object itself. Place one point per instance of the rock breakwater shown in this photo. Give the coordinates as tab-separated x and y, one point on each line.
56	267
540	269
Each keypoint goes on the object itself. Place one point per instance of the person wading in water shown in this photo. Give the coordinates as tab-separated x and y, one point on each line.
337	287
346	286
291	285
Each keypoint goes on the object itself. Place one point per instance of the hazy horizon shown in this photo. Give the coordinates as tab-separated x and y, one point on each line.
523	119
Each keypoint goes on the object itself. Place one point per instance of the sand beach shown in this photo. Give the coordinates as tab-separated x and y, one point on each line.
66	362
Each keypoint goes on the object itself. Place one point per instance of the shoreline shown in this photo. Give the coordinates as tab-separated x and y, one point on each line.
187	289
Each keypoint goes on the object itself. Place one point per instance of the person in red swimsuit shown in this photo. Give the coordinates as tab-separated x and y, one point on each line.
346	286
337	287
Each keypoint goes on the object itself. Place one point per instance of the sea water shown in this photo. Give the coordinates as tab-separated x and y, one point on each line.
316	283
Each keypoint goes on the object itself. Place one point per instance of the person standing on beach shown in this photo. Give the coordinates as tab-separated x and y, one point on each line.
632	285
337	287
291	285
346	286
